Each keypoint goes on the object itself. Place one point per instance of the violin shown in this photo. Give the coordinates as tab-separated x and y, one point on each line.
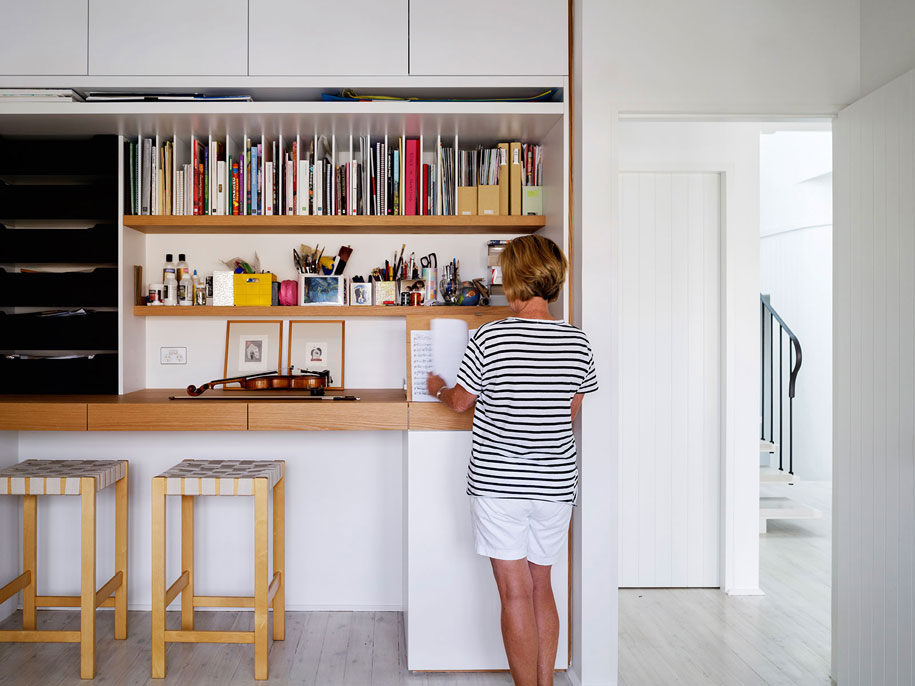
313	381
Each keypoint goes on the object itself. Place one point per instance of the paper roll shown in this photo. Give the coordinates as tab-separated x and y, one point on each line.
449	339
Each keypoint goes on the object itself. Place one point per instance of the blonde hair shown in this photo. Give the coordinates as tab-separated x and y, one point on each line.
532	266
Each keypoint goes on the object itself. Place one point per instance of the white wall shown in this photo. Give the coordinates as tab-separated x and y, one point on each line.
874	388
887	48
731	149
715	56
10	507
344	514
596	296
796	272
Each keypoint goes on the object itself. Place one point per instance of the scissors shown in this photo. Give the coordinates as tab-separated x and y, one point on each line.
430	260
298	261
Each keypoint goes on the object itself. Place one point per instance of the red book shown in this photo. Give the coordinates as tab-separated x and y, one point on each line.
411	171
425	189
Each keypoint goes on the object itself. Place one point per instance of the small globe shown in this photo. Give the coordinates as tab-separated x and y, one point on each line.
469	295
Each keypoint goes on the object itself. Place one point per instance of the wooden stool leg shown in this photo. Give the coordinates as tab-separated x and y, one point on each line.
261	668
120	555
29	559
158	578
87	576
187	562
279	557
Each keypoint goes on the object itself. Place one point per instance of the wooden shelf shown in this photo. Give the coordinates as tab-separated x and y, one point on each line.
476	224
318	311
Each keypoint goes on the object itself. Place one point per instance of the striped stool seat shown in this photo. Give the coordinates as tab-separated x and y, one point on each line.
220	477
264	480
58	477
84	479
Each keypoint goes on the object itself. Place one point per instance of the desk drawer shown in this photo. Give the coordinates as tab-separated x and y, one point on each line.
327	415
43	416
176	415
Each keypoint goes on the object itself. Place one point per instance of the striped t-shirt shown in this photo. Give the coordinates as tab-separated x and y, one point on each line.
525	373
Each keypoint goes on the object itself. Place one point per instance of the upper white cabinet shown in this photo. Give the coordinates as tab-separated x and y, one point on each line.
483	37
168	37
43	37
328	37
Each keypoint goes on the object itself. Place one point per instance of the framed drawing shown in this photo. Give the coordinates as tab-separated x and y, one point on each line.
321	290
360	293
253	347
317	346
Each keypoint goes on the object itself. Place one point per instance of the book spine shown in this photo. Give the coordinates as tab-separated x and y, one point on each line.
412	182
235	189
268	191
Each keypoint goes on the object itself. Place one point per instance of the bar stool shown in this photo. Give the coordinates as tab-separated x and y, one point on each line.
84	478
192	478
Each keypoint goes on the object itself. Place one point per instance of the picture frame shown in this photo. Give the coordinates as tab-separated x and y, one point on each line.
317	289
252	347
360	294
318	345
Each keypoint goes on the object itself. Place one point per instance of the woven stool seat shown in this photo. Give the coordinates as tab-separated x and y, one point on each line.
220	477
58	477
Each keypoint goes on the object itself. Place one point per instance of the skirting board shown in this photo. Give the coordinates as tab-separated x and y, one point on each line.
745	591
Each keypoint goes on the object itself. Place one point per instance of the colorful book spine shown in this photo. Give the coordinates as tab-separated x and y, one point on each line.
235	188
411	168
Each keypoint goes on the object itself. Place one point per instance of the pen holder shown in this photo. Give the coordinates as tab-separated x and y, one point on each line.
450	291
430	276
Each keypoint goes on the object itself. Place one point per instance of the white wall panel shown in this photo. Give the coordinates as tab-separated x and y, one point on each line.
874	378
43	37
670	229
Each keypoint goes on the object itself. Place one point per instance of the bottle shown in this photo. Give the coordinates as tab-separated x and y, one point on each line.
183	270
200	290
170	296
185	288
169	268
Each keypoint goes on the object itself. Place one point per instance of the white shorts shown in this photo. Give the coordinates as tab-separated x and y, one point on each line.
511	529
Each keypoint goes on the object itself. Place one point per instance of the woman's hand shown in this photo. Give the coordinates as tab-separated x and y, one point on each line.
433	383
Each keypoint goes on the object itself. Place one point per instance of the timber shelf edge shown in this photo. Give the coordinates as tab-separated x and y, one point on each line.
260	224
317	311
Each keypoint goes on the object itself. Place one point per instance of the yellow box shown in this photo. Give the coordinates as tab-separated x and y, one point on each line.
254	289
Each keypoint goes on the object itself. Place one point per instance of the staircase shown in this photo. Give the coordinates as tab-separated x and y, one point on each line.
773	394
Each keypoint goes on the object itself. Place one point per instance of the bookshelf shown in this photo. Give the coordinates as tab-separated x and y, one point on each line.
317	311
218	224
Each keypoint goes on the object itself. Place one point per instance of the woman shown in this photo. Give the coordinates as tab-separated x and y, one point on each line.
526	375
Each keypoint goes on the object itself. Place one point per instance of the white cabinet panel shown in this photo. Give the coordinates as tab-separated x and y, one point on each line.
43	36
318	38
168	37
483	37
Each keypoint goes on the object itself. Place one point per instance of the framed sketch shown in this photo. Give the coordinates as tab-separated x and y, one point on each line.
317	346
321	290
360	293
253	347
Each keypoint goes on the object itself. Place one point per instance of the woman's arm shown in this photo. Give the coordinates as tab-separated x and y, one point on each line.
576	404
457	398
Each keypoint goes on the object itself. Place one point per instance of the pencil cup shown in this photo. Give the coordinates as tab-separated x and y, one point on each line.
430	276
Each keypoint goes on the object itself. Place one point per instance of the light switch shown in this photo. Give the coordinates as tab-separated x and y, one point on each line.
172	355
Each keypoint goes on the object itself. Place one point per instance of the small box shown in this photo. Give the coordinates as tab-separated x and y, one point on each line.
467	200
488	200
317	289
532	200
223	289
385	292
254	289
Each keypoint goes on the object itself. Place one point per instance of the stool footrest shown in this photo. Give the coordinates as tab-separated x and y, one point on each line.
209	637
113	584
14	636
16	585
273	587
176	588
66	601
223	601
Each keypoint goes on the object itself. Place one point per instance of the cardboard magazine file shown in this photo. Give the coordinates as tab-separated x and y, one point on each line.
532	200
516	174
488	200
504	207
467	200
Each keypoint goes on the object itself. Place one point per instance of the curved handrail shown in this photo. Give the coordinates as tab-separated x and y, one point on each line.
794	341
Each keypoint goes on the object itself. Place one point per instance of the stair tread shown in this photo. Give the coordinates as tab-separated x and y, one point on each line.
785	508
767	446
773	474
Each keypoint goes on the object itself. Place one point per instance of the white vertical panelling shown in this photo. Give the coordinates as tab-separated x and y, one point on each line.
671	425
874	375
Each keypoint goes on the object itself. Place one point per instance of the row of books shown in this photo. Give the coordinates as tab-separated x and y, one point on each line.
377	175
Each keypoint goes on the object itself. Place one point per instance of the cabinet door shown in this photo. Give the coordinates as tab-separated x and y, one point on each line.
482	37
43	36
317	37
168	37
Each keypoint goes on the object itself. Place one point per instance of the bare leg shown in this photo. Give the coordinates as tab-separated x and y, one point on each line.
519	625
547	622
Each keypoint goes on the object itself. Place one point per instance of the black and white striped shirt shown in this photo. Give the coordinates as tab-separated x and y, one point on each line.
525	373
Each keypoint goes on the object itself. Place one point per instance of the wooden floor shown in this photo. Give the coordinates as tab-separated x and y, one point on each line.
698	636
321	648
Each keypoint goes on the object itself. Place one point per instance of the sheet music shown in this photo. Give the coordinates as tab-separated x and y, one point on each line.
421	364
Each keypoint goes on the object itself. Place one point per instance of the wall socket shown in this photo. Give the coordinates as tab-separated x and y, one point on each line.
172	355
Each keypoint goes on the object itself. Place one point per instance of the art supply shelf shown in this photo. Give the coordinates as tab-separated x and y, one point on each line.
359	224
493	312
